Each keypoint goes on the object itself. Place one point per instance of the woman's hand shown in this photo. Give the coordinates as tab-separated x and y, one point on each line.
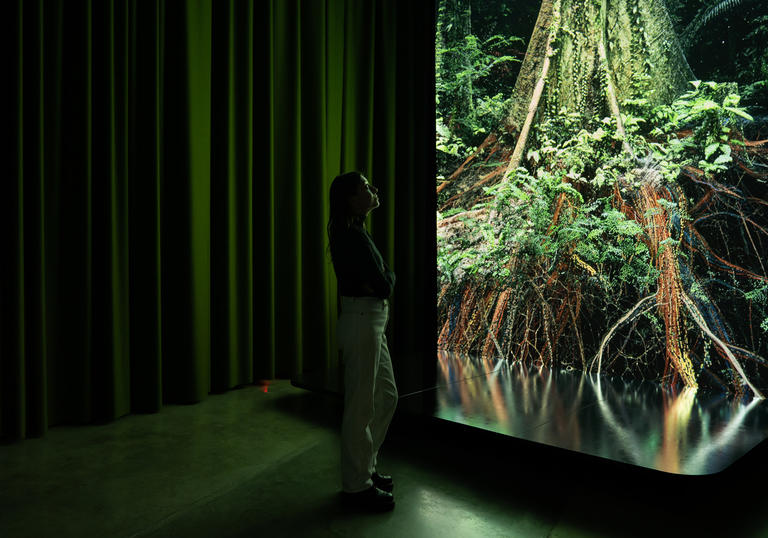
368	289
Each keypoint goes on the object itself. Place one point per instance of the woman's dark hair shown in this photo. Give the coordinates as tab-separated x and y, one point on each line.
342	187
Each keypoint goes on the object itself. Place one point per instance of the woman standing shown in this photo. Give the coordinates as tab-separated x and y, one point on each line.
370	395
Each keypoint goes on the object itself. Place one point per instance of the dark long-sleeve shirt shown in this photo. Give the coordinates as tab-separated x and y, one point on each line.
359	266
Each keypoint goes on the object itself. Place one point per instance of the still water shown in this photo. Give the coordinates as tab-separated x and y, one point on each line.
637	422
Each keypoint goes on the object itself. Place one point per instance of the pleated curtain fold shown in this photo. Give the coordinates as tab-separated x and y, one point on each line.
163	220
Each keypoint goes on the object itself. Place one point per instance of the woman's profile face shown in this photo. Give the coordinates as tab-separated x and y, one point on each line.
365	198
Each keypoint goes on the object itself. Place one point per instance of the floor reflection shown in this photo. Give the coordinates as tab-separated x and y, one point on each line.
635	422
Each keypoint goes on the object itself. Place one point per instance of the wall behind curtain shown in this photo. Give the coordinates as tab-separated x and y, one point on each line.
163	221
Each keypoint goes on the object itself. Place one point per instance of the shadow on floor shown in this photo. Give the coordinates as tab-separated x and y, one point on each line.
581	491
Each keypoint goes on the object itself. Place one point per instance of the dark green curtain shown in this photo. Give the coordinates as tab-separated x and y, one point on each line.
163	221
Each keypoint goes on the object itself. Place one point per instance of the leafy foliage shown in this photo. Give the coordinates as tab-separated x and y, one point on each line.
582	163
711	111
464	120
725	41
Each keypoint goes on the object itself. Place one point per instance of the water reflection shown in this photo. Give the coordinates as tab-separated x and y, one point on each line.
636	422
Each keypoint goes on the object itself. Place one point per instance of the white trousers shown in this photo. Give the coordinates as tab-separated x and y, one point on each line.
370	393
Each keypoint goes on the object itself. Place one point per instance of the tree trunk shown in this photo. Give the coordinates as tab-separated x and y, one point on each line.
643	57
530	71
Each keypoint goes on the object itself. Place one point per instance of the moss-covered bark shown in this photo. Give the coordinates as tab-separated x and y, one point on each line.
643	57
641	42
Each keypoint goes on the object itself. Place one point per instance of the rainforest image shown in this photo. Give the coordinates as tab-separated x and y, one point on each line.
602	187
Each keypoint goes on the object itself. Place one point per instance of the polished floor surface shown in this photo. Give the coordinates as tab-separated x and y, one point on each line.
636	422
263	461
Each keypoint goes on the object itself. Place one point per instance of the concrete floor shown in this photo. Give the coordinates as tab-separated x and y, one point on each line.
256	463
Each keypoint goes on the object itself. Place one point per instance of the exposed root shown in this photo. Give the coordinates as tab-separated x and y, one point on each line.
699	319
643	305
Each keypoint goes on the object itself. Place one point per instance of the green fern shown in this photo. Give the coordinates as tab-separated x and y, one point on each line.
691	33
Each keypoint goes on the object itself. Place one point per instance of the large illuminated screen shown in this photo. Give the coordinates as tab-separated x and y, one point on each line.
601	190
